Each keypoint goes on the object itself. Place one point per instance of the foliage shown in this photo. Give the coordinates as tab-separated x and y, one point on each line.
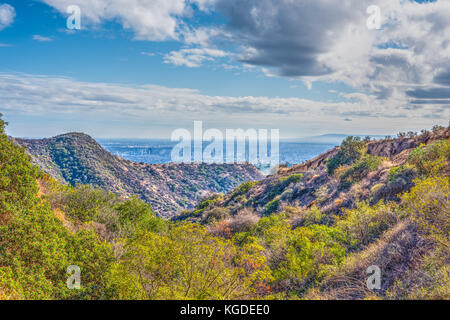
278	188
322	194
272	205
428	203
46	227
407	171
365	223
134	213
293	178
83	202
37	249
431	159
314	216
360	169
310	251
243	189
17	177
188	263
351	149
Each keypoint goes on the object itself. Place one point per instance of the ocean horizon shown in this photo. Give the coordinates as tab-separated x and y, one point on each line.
158	151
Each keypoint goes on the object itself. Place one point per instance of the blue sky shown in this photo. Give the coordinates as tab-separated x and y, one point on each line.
145	68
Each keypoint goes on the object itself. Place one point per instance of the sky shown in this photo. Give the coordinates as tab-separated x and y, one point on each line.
143	68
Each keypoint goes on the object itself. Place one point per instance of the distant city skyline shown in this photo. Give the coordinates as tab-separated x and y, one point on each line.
141	69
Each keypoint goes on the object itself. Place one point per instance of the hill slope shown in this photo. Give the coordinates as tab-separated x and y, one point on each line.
76	158
310	184
328	223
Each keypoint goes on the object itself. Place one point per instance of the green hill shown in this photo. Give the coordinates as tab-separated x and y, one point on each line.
76	158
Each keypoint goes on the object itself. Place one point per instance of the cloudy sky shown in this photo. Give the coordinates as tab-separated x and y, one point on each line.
142	68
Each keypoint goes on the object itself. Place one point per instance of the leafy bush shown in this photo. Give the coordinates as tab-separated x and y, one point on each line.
431	159
37	249
365	223
243	188
294	178
322	194
135	213
282	184
406	171
310	251
428	203
83	202
352	149
272	205
215	214
361	169
314	216
189	263
18	187
204	204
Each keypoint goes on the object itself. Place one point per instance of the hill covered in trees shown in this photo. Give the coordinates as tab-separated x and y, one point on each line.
386	206
76	158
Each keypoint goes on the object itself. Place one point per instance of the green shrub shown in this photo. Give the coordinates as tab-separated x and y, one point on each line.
243	188
282	184
359	170
272	205
431	159
405	171
18	187
203	205
215	214
322	194
428	203
135	213
294	178
310	251
351	149
314	216
189	263
83	203
365	223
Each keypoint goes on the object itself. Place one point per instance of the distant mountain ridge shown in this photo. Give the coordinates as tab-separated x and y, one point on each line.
76	158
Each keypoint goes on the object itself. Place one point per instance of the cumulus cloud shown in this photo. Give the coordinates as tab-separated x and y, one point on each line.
321	40
154	20
7	14
327	40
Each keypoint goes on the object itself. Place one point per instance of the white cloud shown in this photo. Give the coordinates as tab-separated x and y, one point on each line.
321	40
7	14
32	95
327	40
154	20
193	57
42	38
150	54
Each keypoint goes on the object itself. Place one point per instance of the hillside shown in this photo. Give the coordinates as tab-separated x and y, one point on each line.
76	158
366	205
308	232
310	184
